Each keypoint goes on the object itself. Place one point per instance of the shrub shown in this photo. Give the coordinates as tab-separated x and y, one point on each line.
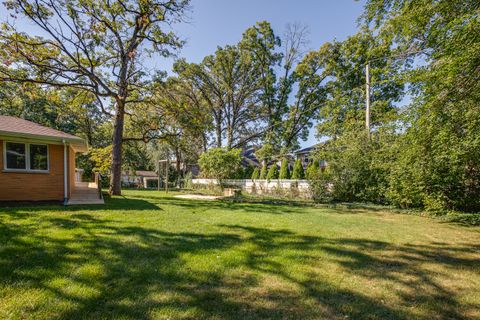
255	174
312	169
272	172
263	173
297	172
248	172
220	163
284	172
320	186
188	181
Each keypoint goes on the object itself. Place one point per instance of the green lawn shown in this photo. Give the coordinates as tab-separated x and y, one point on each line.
151	256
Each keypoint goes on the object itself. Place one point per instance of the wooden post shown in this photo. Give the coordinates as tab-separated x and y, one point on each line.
166	175
158	183
367	96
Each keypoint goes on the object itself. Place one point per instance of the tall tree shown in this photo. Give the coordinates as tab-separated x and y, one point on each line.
438	157
227	84
96	46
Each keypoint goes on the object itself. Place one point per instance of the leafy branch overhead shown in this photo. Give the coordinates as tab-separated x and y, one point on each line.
96	46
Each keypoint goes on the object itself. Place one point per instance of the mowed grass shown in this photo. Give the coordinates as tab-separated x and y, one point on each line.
148	255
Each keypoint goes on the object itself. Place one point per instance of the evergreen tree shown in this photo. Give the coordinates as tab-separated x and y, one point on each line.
263	172
272	172
284	172
298	172
312	169
255	174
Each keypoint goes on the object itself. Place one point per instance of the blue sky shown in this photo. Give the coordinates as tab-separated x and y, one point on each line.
219	22
213	23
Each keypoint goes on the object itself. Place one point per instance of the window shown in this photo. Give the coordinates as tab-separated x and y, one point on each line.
16	156
38	157
25	156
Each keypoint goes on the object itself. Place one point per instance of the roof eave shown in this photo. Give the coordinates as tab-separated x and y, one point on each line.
77	143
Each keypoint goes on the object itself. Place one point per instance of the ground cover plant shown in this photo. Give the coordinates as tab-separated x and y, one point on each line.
149	255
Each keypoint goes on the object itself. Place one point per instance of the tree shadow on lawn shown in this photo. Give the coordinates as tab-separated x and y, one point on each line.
198	206
267	205
111	204
145	273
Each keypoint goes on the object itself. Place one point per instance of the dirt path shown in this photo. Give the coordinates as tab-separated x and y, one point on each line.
197	197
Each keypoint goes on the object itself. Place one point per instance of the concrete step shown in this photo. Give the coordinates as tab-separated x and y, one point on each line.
84	198
85	192
85	201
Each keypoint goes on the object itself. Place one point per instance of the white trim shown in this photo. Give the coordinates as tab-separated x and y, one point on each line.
59	140
27	158
65	173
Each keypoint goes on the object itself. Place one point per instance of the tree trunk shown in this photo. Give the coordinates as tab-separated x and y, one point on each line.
116	177
218	127
229	138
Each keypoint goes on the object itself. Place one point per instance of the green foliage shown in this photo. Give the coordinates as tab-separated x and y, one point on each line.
263	172
358	167
102	159
264	153
220	163
248	172
255	174
297	172
272	172
187	180
284	171
437	158
312	169
320	186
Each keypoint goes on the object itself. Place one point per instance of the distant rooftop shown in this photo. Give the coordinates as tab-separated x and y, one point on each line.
144	173
306	150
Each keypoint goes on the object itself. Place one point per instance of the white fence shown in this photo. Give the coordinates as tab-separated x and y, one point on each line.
262	186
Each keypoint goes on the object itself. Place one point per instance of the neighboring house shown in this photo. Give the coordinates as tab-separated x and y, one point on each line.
38	163
249	158
136	178
306	156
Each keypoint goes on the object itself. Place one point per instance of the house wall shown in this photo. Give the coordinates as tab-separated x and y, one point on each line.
27	186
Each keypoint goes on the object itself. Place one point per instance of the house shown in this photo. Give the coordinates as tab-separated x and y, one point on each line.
305	155
137	178
38	164
249	158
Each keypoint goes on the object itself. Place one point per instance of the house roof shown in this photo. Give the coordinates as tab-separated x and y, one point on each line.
16	127
306	150
144	173
249	158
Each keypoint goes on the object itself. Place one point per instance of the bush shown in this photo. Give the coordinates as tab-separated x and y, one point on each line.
248	172
312	169
320	186
188	181
263	173
220	163
298	172
272	172
255	174
284	172
152	184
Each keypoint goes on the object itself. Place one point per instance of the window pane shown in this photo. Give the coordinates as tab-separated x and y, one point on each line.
38	157
15	155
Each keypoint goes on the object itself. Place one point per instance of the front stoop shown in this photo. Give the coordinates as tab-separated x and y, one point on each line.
85	193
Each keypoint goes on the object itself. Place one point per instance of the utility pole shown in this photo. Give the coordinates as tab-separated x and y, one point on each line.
367	96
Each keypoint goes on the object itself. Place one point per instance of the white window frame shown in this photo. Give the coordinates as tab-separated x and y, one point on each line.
27	157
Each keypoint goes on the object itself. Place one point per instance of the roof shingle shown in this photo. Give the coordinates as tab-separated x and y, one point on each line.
12	125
